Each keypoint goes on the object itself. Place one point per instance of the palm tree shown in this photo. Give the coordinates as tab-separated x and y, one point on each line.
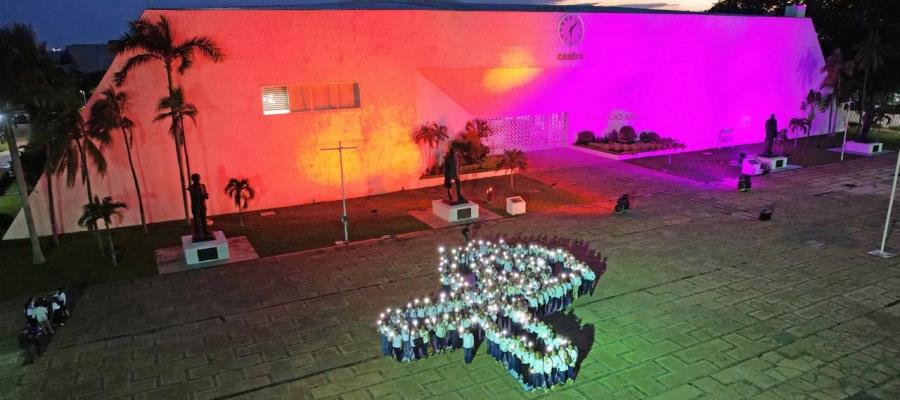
475	151
175	109
800	126
107	114
95	211
155	41
810	104
835	69
241	193
77	146
23	64
432	135
869	57
514	161
42	111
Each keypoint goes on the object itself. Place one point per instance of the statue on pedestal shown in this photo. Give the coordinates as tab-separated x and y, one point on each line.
451	173
771	135
199	195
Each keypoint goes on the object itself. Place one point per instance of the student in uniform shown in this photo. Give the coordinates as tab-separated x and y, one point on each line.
439	339
29	310
28	345
397	345
573	358
468	344
42	316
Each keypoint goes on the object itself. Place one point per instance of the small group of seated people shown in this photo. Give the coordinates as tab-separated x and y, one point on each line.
43	316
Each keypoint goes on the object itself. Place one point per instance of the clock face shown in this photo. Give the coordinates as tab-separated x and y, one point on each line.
571	29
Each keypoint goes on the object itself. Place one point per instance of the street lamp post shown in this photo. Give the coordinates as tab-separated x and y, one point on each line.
846	127
887	220
344	218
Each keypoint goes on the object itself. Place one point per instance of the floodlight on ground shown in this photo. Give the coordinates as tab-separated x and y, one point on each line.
766	213
744	183
623	204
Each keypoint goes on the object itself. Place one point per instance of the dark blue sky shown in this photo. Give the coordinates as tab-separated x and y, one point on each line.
64	22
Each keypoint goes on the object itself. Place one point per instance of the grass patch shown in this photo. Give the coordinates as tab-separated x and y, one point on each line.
10	202
77	261
890	137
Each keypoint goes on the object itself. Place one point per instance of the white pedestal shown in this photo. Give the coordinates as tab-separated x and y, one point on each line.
515	205
207	251
751	166
863	148
754	165
454	212
775	162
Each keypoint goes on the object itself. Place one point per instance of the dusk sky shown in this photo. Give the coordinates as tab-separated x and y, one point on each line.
63	22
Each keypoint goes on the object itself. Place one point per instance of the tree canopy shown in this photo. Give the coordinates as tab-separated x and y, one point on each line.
840	24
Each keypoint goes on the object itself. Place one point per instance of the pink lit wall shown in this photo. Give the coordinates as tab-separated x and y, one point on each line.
681	75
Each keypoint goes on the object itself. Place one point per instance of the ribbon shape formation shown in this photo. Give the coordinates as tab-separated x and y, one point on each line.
497	292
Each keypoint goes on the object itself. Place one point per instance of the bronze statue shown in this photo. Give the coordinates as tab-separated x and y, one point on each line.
771	135
198	208
451	173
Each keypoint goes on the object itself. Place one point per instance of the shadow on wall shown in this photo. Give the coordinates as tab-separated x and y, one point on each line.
808	69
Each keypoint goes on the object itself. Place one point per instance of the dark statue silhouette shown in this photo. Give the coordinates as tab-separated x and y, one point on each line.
451	173
771	135
199	195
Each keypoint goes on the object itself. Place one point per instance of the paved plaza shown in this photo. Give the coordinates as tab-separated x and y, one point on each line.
700	300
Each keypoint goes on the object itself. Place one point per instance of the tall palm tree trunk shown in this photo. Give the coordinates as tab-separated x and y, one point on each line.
187	160
137	186
86	179
831	117
187	217
37	255
112	247
862	101
48	174
183	189
241	216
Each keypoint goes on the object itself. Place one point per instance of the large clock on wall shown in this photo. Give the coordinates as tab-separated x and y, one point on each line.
570	29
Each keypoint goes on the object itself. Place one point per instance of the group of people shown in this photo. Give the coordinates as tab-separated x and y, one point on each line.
495	293
42	317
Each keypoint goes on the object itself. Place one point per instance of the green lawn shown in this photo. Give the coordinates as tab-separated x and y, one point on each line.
77	261
890	137
10	204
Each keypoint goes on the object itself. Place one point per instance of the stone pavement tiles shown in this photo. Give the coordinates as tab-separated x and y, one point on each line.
700	301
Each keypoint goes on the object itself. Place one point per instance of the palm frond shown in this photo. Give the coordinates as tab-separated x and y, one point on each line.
132	63
205	46
95	155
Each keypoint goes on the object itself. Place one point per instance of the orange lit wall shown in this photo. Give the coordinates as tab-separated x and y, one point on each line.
686	76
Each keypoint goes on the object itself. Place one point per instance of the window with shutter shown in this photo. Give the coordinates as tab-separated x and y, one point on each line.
275	100
300	98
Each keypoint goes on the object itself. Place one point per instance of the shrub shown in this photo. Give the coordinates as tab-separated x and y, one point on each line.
585	137
649	137
612	136
627	134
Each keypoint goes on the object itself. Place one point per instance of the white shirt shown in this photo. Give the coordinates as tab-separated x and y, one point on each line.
40	313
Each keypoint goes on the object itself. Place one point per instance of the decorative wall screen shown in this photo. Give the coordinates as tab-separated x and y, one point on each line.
528	132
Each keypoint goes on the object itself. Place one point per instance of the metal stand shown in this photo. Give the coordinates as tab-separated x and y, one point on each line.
846	128
887	220
344	219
